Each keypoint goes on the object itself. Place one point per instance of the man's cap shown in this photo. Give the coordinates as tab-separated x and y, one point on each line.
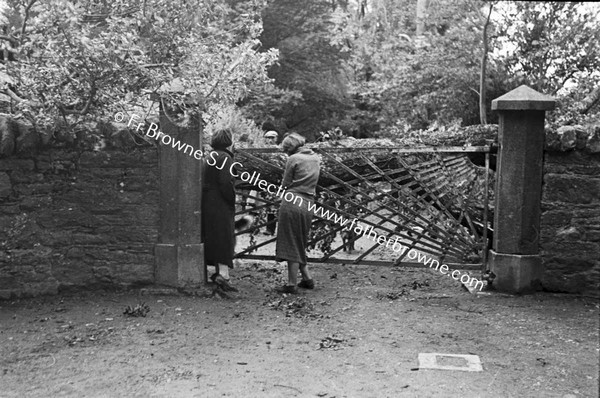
271	134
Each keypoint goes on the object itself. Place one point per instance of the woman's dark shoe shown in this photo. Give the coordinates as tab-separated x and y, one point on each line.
223	283
307	284
288	289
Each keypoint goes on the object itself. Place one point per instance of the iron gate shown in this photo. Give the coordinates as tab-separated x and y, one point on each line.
435	200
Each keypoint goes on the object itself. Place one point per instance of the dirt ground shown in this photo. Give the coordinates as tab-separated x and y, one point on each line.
358	334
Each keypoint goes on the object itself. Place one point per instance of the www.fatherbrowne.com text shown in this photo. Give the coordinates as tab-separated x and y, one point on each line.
279	191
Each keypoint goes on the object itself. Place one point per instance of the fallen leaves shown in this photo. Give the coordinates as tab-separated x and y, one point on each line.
331	342
140	310
295	306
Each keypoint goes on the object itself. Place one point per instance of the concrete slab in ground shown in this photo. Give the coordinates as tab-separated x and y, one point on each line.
467	363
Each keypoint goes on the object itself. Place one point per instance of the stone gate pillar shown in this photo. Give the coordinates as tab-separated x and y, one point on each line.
179	255
515	258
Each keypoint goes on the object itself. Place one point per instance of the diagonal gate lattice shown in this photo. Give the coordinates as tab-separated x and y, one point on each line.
434	200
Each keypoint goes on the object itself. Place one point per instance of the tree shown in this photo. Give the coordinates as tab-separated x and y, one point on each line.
550	44
309	62
553	46
483	70
80	61
419	61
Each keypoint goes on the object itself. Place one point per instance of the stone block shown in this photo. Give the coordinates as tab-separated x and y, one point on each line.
141	273
75	253
10	209
567	136
73	272
582	249
568	233
55	238
572	276
24	177
7	281
566	263
5	223
8	132
106	208
33	188
516	273
582	137
90	159
103	274
43	165
552	142
36	255
105	173
35	203
65	218
556	218
131	197
179	265
48	287
593	236
5	186
593	145
571	189
28	140
12	164
147	216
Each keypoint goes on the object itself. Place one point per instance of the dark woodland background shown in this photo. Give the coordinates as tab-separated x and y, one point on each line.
361	68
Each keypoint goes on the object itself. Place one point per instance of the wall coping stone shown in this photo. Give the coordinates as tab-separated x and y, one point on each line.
576	137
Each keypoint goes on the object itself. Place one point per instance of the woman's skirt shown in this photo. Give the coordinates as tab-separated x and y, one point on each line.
293	227
217	229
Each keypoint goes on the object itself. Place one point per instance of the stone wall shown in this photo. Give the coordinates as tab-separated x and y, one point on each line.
72	218
570	224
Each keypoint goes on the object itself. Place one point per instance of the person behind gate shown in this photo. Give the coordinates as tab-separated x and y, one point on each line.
300	178
270	138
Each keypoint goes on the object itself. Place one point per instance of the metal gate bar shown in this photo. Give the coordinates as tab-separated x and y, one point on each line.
430	185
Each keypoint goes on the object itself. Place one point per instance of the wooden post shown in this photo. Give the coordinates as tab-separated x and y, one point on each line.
179	253
515	258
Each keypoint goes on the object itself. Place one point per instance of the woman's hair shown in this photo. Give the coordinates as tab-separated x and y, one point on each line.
292	142
221	139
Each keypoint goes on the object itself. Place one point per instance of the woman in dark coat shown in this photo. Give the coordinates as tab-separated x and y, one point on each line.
300	181
218	208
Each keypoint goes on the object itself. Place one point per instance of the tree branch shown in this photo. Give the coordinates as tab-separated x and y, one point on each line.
86	107
592	100
25	18
11	39
482	72
155	65
13	95
18	99
567	77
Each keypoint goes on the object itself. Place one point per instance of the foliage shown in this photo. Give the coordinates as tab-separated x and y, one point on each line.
306	66
335	134
70	69
410	78
309	63
83	61
263	104
246	133
551	43
554	48
570	105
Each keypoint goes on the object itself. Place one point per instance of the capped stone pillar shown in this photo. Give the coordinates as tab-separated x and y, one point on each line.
179	253
515	258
